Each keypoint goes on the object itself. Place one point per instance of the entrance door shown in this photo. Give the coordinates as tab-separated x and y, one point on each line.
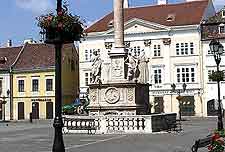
20	110
35	110
1	111
211	109
49	110
158	105
188	106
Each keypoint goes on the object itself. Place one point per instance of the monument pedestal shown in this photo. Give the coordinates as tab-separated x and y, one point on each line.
124	98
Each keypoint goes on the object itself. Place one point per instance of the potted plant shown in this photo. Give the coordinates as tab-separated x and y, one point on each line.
217	142
62	27
217	76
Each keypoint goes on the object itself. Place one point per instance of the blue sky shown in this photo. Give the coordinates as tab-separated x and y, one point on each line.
18	16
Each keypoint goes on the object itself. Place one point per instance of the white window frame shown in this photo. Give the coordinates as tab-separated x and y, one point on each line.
158	75
157	50
87	78
184	48
221	26
184	74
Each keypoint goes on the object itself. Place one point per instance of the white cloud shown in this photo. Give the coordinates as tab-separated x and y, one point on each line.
36	6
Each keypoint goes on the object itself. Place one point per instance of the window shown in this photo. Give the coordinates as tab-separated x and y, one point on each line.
86	79
89	53
184	48
35	85
221	29
185	74
223	13
136	50
158	76
21	85
0	86
86	55
49	85
157	50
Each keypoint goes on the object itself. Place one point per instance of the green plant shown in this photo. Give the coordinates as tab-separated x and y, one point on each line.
217	76
217	144
61	26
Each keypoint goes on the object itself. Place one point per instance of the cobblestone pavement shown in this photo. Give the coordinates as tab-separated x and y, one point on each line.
38	137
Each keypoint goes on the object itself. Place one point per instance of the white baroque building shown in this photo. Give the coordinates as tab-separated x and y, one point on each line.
170	36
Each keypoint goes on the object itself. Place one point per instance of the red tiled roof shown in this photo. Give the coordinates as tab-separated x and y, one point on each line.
37	56
11	54
188	13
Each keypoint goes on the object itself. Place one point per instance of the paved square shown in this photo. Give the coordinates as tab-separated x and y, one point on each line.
38	137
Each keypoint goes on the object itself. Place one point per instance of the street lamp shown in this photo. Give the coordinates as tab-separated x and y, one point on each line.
179	97
58	145
217	49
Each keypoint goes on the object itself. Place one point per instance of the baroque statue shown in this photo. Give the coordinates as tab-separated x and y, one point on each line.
133	69
96	67
143	68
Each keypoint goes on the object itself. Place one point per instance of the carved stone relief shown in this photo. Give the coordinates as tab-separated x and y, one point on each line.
112	95
130	94
117	68
93	95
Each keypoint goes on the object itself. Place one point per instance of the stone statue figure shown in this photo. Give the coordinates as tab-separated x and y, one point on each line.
96	67
143	67
133	70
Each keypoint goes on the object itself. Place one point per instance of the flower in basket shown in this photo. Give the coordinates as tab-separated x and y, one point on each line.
63	26
217	144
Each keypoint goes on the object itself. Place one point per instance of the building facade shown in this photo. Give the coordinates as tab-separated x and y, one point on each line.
29	80
213	28
170	41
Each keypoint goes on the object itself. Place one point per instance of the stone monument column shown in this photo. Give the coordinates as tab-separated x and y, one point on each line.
118	24
118	53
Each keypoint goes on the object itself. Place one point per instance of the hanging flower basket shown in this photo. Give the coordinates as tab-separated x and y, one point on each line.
62	27
217	76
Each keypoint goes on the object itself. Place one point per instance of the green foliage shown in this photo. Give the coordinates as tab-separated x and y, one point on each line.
217	76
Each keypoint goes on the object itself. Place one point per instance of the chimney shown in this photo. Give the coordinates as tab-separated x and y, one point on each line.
9	43
162	2
126	4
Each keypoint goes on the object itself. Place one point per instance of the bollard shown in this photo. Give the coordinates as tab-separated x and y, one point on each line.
31	119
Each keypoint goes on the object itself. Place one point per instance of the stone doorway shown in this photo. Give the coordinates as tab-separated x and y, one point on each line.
158	105
35	110
211	108
20	110
49	110
188	106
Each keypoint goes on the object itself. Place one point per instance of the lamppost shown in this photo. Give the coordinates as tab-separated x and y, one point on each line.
58	145
217	49
179	97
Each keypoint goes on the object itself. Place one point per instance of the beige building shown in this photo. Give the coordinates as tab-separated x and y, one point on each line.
169	34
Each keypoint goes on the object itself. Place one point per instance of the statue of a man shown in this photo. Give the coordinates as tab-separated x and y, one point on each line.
143	67
96	67
133	70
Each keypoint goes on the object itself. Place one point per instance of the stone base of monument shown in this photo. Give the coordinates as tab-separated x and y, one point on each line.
119	99
121	124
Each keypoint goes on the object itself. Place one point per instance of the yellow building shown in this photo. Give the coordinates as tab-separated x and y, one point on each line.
34	80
